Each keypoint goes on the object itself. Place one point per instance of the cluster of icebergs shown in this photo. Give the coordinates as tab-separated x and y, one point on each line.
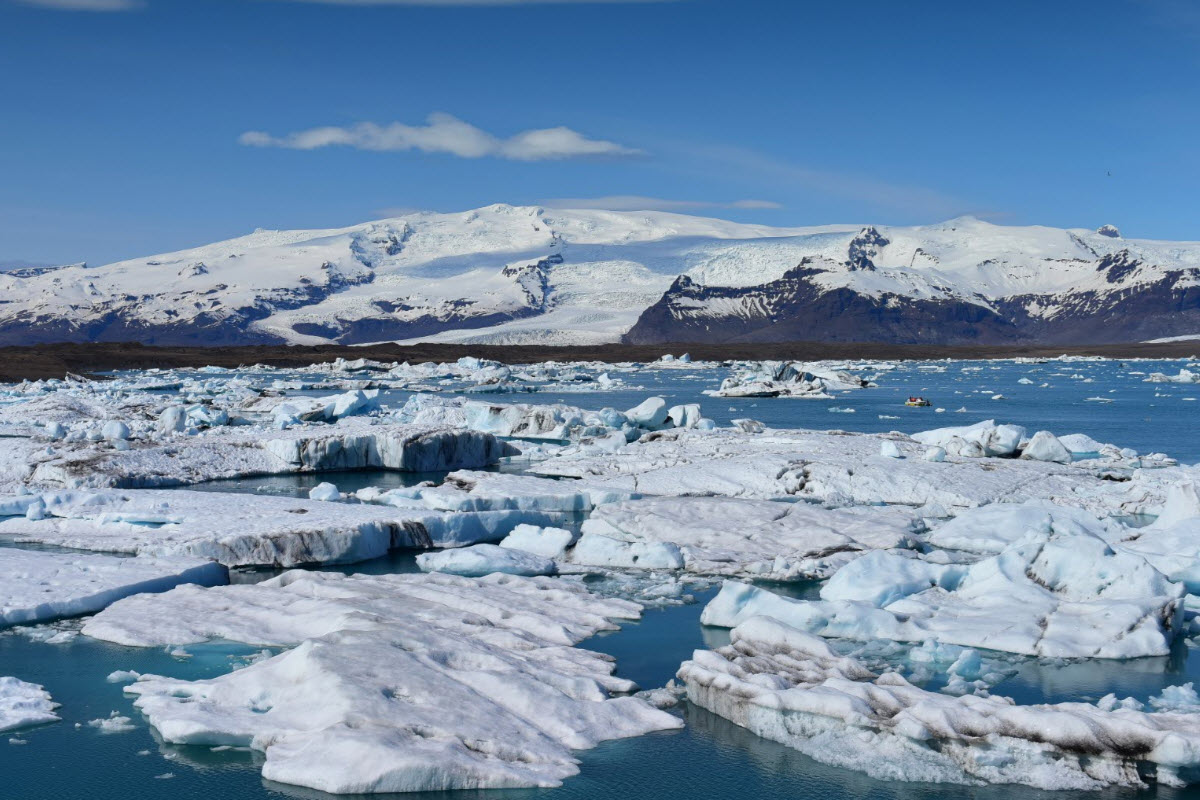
983	541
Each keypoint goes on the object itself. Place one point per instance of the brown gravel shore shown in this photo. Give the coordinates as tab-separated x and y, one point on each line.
56	360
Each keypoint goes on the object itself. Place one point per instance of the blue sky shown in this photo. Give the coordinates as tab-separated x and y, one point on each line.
129	127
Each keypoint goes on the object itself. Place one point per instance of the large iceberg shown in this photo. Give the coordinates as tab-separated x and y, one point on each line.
1059	594
791	687
350	443
396	683
39	586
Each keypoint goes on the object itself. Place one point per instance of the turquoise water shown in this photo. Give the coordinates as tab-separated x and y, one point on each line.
710	757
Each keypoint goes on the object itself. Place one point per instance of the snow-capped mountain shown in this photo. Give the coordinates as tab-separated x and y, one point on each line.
523	275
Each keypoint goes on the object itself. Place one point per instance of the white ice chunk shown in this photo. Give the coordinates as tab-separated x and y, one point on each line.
324	491
484	559
1045	446
546	542
996	440
23	704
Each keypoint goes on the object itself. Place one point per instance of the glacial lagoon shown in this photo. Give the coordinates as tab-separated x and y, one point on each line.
1109	401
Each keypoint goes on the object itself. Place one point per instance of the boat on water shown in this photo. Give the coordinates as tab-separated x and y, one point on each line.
917	402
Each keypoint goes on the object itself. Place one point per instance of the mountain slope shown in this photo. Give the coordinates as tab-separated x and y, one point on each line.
514	275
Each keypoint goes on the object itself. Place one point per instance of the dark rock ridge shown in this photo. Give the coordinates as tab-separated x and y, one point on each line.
796	307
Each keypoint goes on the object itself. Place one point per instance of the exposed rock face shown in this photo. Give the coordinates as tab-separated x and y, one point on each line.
1135	302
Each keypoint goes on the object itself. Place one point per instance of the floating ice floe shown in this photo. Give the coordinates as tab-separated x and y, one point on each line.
38	586
23	704
788	686
734	537
241	529
1062	593
1184	376
396	683
847	468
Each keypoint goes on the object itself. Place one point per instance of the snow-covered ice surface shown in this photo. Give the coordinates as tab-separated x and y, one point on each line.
39	586
23	704
395	683
752	538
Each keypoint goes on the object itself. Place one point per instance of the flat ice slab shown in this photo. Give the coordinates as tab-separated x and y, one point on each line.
23	704
840	467
396	682
790	687
37	586
242	529
733	537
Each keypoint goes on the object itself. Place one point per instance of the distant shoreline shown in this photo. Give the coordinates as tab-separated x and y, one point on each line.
57	360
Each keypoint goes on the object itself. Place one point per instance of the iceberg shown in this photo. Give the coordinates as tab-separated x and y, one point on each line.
247	530
395	683
230	452
790	687
1063	594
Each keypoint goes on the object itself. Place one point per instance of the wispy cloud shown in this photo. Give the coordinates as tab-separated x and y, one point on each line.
444	133
785	175
85	5
634	202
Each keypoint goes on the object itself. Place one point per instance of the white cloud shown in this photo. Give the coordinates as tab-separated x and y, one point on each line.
634	202
85	5
444	133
